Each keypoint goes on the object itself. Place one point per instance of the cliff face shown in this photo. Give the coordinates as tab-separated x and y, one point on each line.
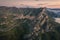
41	25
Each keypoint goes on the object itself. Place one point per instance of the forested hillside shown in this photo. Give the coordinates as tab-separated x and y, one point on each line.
27	24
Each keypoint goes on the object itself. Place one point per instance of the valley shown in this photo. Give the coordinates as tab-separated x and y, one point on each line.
57	20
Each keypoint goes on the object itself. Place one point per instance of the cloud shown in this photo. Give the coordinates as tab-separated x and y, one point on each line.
29	0
30	3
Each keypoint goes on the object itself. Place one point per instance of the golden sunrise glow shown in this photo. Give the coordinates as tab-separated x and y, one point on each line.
49	4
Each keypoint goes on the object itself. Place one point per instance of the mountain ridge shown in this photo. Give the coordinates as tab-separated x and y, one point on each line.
31	24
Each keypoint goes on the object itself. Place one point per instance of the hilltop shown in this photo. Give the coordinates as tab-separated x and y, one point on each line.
27	24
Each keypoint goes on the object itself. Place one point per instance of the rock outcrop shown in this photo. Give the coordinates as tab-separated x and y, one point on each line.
41	25
30	23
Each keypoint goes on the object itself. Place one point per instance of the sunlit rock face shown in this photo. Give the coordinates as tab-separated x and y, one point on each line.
40	25
30	22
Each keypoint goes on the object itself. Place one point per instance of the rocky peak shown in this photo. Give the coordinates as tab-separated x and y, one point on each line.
42	25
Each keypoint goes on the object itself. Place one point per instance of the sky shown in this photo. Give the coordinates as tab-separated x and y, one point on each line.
31	3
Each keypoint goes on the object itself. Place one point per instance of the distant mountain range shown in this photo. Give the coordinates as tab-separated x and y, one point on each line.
54	12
